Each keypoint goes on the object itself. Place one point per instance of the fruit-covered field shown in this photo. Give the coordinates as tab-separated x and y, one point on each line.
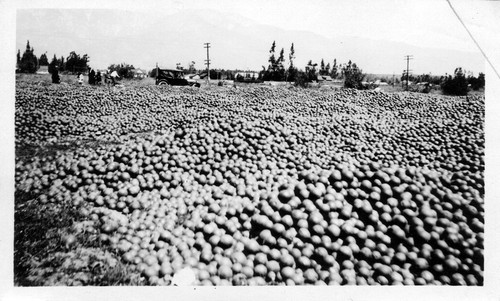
247	186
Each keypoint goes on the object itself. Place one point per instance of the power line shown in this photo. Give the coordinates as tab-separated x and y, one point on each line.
207	46
473	39
408	58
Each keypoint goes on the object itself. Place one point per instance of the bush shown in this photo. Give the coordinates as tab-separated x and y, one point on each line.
353	76
302	79
76	63
456	85
476	82
292	74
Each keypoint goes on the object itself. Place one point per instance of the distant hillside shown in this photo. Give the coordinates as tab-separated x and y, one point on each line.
236	42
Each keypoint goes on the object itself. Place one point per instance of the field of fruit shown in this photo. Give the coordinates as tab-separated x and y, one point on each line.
247	186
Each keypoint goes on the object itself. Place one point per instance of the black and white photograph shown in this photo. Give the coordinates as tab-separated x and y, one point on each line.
268	146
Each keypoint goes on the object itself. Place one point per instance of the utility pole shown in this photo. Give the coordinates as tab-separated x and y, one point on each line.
408	58
207	45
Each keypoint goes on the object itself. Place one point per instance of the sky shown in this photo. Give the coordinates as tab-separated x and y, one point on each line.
362	31
422	23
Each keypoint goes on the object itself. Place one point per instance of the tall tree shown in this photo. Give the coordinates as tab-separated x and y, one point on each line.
62	64
29	61
292	71
18	58
334	72
279	69
53	64
322	67
272	58
43	61
311	71
281	58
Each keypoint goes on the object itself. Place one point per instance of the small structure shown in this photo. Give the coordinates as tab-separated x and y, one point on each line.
246	76
43	70
324	78
138	73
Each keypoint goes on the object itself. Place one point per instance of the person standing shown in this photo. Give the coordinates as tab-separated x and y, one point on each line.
80	78
98	78
92	77
114	77
55	76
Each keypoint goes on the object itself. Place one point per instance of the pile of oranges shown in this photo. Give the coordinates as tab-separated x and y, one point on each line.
265	186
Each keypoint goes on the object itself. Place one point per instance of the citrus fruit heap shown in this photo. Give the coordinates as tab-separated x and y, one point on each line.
265	185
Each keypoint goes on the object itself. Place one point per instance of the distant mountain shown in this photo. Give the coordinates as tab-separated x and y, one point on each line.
146	38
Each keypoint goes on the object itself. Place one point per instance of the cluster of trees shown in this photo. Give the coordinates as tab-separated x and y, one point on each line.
57	64
332	71
74	63
459	83
276	70
423	78
123	70
476	83
353	76
30	63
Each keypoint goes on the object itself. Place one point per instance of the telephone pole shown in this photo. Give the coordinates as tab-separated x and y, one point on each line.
207	46
408	58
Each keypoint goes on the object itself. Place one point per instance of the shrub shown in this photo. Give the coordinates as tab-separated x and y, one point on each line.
302	79
456	85
353	76
476	82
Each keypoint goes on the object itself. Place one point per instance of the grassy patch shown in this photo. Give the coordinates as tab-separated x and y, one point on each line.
42	256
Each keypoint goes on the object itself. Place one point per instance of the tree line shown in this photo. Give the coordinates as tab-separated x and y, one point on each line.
460	83
30	63
277	71
457	84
